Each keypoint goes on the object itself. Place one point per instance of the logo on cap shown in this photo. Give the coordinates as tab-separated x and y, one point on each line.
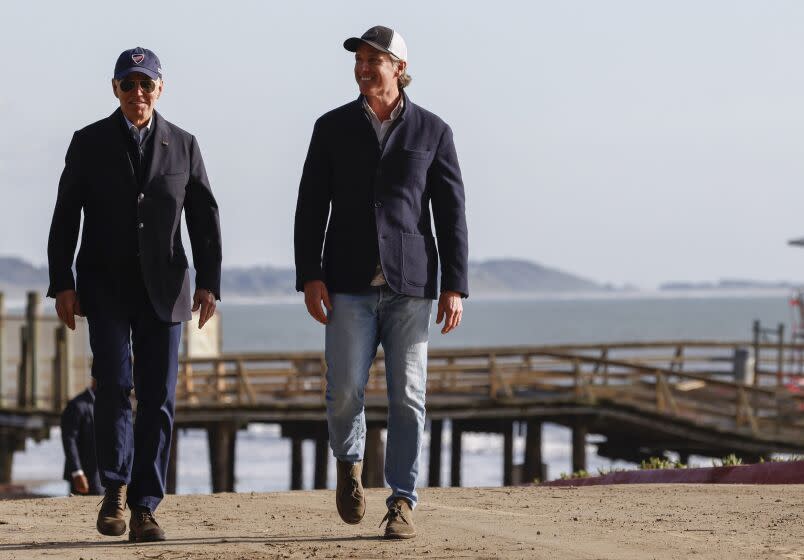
138	58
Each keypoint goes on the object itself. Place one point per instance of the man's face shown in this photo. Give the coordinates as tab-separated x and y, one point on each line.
137	104
376	73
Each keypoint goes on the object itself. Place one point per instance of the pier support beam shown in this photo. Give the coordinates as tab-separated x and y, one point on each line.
455	455
508	453
321	461
579	431
7	447
374	458
533	468
296	463
170	483
2	348
434	468
222	437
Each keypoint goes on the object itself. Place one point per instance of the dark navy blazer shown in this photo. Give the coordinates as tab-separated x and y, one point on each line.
78	439
378	202
127	220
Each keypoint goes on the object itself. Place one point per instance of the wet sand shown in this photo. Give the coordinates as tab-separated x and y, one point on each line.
617	522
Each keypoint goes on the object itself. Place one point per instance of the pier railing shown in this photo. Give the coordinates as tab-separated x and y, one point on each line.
690	381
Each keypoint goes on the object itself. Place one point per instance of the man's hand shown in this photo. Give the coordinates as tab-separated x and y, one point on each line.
81	484
205	300
315	292
67	307
451	307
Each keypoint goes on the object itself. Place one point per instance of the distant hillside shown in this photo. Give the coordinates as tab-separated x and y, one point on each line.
15	271
520	276
499	276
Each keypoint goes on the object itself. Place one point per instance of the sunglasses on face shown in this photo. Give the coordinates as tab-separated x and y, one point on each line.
147	85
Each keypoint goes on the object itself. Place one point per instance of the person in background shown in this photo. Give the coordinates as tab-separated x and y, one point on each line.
78	440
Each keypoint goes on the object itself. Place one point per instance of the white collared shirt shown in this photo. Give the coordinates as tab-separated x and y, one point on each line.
381	128
143	131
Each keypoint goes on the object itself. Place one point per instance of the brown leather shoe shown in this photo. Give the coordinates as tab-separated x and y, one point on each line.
400	520
111	521
143	526
349	496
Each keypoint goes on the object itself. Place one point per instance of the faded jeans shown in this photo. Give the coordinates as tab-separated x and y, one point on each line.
358	323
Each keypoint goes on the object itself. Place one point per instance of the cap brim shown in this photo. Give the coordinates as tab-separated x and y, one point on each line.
353	43
150	73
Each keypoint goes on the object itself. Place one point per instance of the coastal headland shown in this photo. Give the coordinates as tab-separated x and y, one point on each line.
622	522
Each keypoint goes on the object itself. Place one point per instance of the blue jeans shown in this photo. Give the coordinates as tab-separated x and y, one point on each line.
358	323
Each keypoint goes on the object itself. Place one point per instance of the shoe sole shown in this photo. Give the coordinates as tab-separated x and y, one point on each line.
349	521
111	532
397	537
149	538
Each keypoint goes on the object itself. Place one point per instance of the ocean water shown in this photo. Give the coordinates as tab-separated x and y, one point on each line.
263	458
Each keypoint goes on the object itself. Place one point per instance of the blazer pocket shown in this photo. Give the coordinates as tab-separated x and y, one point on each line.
415	154
415	259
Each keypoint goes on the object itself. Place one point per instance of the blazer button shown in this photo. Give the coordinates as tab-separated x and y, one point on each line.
378	204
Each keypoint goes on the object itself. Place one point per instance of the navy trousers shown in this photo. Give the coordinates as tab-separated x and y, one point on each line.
134	453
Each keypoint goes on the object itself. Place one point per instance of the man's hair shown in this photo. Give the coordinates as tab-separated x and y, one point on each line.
404	78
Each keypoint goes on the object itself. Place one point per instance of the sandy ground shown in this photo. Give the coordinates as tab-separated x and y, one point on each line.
622	522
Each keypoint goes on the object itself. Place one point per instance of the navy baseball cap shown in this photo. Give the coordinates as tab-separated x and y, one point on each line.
138	60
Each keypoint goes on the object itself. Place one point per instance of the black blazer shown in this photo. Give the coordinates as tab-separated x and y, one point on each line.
379	198
78	439
131	221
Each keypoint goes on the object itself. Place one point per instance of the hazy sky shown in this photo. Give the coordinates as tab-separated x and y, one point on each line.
626	141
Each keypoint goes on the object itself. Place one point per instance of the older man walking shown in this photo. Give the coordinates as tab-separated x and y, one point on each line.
375	167
133	174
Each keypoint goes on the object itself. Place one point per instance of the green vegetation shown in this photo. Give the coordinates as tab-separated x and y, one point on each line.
730	460
660	463
576	474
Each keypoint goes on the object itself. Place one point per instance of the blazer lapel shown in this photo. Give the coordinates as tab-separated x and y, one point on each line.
119	134
160	136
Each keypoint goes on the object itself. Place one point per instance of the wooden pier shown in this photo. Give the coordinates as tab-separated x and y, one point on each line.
643	399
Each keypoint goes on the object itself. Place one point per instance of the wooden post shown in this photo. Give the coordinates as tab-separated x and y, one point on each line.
757	362
32	312
173	458
508	453
321	460
222	437
434	468
533	452
780	357
2	348
296	463
374	459
7	447
61	369
23	384
455	456
579	431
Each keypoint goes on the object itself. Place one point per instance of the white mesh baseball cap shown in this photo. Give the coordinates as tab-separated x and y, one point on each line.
381	38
